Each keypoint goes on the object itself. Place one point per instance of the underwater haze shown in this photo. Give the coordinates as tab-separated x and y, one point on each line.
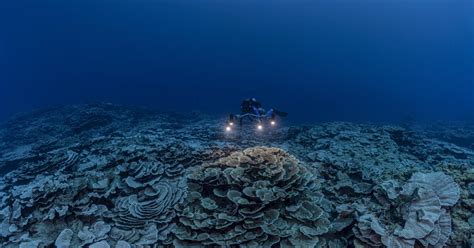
116	127
318	60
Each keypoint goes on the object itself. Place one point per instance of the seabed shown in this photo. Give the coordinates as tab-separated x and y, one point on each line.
102	175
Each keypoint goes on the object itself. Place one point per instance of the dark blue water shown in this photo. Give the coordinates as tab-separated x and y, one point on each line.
318	60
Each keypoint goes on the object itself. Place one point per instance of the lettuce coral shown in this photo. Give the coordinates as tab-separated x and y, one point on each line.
258	197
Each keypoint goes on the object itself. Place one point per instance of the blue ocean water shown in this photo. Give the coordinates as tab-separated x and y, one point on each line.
122	175
319	60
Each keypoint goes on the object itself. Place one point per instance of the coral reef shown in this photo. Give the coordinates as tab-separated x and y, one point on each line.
418	211
459	133
378	152
102	175
258	197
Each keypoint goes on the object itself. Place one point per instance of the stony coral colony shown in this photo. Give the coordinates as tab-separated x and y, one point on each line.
114	177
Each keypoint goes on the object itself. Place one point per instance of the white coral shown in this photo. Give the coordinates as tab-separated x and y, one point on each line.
64	239
422	205
423	211
443	185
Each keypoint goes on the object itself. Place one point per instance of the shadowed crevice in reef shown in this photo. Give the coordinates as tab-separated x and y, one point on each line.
111	176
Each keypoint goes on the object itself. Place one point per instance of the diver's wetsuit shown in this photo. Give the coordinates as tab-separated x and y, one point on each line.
250	106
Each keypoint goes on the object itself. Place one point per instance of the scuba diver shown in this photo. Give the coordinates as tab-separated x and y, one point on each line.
252	106
252	110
